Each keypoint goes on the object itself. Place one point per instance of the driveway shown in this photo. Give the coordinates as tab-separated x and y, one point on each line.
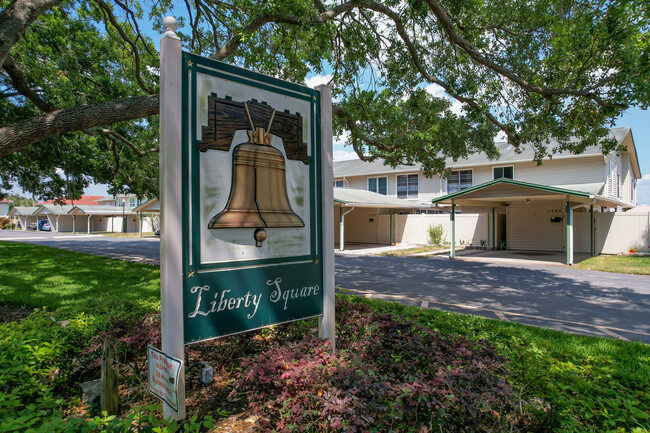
557	297
145	250
569	299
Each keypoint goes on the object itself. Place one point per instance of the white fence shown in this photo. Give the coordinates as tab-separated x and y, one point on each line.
614	232
471	229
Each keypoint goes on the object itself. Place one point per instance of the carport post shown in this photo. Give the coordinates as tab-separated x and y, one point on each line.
89	223
494	229
390	240
591	230
341	228
140	222
452	215
569	233
57	224
74	223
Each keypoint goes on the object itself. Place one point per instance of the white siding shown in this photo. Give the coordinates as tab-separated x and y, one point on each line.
562	171
530	228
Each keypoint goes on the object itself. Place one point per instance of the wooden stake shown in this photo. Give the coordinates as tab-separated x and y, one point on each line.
109	398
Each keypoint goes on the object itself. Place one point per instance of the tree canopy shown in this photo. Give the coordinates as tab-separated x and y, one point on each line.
78	84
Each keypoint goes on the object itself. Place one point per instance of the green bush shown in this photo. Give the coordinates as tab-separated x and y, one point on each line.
435	234
5	223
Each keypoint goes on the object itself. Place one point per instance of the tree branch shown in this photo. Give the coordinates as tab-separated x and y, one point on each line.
15	137
16	18
256	23
457	40
134	47
19	82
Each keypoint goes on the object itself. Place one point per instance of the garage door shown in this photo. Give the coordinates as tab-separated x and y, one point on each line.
536	226
361	226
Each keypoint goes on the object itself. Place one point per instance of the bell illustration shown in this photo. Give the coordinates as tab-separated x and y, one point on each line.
258	194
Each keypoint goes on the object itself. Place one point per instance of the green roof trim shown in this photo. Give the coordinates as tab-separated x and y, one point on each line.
511	182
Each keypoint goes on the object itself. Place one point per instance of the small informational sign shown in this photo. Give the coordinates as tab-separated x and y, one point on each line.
252	200
164	371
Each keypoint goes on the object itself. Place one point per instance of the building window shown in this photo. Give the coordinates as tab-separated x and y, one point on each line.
507	172
459	180
132	202
407	186
378	185
611	178
338	184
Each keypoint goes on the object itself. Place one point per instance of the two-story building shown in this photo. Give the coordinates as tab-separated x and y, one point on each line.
517	203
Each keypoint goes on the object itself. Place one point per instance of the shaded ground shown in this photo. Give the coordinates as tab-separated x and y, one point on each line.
557	297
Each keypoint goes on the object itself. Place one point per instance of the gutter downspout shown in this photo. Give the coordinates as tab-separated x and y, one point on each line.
342	227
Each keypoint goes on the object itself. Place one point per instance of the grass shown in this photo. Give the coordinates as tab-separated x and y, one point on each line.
36	276
414	250
592	384
619	264
124	235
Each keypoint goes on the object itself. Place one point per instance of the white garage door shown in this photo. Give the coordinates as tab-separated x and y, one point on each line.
531	226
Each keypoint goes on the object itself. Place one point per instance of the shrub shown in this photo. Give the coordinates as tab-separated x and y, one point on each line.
386	376
5	223
435	234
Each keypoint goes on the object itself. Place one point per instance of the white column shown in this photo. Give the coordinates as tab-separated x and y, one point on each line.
569	234
57	224
326	327
89	223
171	254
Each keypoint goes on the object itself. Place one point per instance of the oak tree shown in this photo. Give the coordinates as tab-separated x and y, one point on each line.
78	84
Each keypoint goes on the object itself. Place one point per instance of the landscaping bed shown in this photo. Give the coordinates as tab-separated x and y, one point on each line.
396	368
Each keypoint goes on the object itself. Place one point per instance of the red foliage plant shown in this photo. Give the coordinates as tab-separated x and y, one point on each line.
385	376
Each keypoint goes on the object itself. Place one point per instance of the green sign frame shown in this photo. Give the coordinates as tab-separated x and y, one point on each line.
229	297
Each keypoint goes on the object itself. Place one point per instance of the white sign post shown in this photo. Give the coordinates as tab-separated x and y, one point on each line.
326	328
171	253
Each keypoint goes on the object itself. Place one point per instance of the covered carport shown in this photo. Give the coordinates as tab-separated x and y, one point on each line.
57	216
369	216
528	216
25	215
151	206
100	218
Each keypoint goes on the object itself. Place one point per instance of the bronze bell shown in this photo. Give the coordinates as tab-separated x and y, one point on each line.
258	195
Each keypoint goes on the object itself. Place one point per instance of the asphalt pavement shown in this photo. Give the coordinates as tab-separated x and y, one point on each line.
142	250
556	297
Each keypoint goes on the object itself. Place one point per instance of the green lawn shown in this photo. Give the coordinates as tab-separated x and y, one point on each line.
125	235
37	276
620	264
592	384
414	250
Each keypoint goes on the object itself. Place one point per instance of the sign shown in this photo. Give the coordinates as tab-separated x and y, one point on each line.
164	374
247	224
251	200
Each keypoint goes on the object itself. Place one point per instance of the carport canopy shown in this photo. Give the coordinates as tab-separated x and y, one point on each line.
152	205
502	192
357	198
